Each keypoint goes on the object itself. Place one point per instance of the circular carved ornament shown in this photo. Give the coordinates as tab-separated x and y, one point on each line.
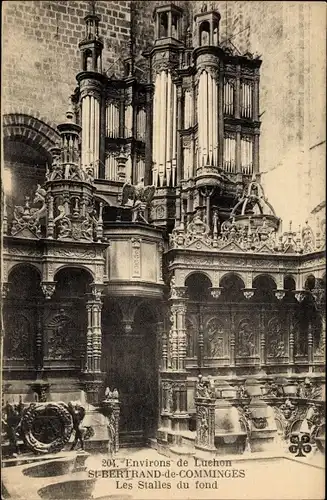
46	427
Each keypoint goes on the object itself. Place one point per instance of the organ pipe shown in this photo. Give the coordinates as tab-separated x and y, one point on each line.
247	156
90	131
208	119
112	121
140	124
230	154
164	130
246	100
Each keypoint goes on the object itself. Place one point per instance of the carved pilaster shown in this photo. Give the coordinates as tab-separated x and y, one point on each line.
39	340
160	254
232	340
310	343
164	345
96	306
136	257
291	340
205	423
262	338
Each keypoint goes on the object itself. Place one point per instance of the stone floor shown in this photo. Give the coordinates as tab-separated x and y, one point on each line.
256	477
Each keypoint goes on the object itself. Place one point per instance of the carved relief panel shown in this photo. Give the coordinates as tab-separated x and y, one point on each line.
191	336
63	336
216	337
276	339
247	349
20	332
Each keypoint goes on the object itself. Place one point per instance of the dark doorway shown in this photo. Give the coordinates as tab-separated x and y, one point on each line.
129	360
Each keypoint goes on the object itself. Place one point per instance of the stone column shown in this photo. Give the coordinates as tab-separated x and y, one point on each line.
96	327
92	373
174	390
232	339
262	339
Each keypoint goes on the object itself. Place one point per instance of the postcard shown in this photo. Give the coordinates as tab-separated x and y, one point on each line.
163	250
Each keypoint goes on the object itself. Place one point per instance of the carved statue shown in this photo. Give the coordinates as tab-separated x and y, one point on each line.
11	425
81	432
137	197
110	395
27	217
204	389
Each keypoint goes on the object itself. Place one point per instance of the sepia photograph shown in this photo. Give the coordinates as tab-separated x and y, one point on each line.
163	273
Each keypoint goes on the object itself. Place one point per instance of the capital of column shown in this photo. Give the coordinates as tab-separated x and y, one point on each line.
300	295
216	291
97	292
48	288
248	292
178	292
280	294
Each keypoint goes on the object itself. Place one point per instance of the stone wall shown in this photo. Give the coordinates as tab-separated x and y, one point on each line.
40	43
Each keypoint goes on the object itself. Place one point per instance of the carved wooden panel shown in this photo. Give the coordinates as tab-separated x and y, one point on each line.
20	331
247	339
276	339
64	332
191	336
216	337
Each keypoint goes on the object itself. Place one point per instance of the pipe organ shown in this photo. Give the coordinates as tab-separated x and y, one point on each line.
196	117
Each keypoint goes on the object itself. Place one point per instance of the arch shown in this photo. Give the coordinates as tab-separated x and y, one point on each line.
15	267
289	282
72	281
232	285
264	277
204	34
204	273
30	130
25	280
163	25
310	281
232	274
264	285
198	286
74	266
